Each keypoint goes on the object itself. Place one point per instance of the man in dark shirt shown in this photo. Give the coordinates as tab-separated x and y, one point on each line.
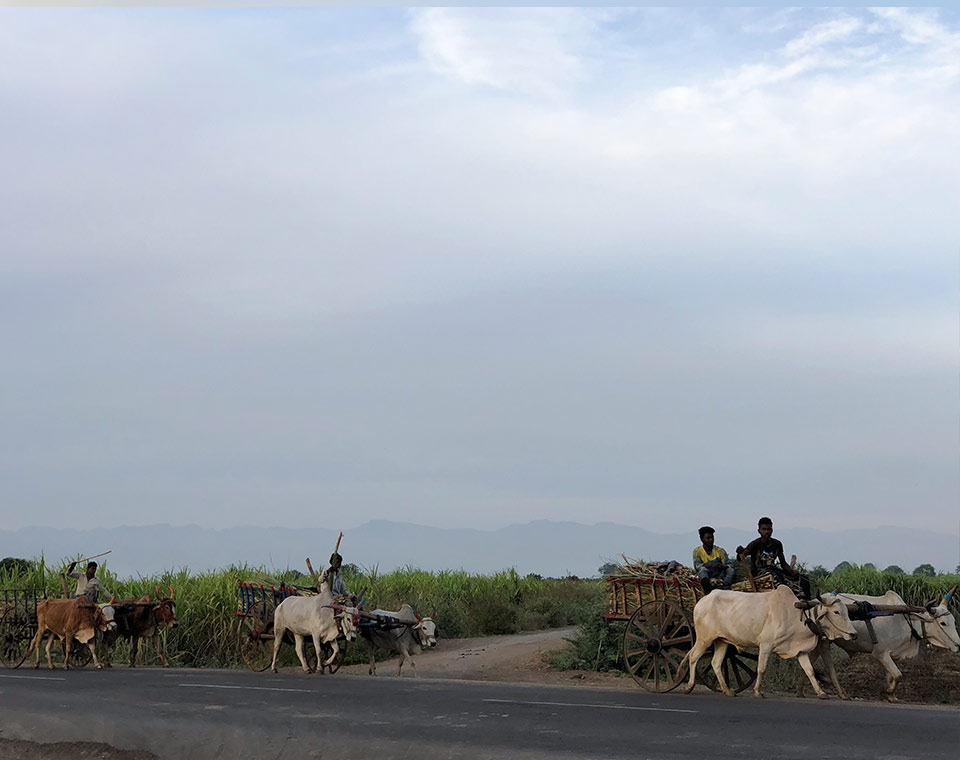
766	552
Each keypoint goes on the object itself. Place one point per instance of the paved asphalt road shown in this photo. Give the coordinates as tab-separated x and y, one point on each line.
232	714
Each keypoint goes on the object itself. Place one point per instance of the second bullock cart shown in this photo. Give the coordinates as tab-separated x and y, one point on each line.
656	607
257	603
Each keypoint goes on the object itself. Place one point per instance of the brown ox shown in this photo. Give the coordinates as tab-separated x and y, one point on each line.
69	619
140	618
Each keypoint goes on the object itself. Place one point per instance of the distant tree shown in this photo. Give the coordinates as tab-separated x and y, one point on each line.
895	569
350	569
868	566
817	573
607	568
15	566
534	577
956	570
926	569
843	566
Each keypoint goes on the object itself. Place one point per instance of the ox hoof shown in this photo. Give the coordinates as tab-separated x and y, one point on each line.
99	667
823	695
687	689
891	698
759	695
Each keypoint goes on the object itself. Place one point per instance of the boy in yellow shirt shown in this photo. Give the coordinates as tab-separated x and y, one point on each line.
713	565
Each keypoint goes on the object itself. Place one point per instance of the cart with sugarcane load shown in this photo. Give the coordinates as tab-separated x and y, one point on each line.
654	602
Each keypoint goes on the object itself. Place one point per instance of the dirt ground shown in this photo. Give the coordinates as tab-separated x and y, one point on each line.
516	658
931	678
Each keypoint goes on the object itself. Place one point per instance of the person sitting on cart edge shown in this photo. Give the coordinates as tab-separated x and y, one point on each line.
88	584
713	565
765	552
332	577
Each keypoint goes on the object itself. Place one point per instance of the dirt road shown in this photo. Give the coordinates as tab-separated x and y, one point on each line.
516	658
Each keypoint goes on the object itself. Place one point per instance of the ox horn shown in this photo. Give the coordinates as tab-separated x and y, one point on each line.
172	592
807	605
949	596
433	613
157	589
417	616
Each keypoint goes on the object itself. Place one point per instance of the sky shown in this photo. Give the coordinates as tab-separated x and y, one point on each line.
477	267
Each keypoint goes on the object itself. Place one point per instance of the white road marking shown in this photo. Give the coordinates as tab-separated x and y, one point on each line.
35	678
247	688
578	704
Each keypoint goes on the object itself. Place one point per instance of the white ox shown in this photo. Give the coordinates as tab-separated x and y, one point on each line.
318	617
406	640
898	636
771	621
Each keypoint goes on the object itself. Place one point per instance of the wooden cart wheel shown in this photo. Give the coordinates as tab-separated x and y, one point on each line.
16	632
334	666
657	637
255	636
739	669
80	655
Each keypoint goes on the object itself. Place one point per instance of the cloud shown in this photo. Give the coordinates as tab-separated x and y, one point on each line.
487	261
528	51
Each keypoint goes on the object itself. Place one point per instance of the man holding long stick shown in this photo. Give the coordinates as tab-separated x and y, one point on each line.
88	584
332	577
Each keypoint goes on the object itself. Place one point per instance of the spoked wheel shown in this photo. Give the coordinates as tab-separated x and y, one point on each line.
255	636
79	654
16	633
657	637
334	666
739	669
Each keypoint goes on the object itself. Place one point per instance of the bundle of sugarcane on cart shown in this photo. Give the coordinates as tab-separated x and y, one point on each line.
655	601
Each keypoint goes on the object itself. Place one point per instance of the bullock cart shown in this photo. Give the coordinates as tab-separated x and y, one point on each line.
18	623
18	627
657	609
256	603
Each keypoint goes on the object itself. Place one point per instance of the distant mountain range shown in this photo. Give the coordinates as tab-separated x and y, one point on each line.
544	547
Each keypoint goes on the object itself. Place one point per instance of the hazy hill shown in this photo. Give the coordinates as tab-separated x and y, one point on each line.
545	547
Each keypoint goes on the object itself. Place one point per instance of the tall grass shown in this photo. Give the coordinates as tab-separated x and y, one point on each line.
466	604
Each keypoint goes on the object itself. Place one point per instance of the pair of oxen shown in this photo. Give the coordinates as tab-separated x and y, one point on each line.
324	620
90	624
778	623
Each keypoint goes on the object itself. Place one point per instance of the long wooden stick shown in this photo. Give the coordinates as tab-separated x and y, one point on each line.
87	559
337	549
746	569
313	574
